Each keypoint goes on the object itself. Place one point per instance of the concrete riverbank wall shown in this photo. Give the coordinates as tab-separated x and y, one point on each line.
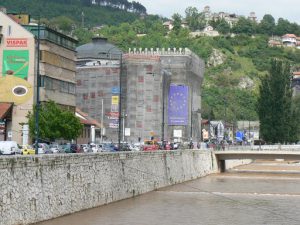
37	188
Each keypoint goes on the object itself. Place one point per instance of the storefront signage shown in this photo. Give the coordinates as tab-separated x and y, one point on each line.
16	42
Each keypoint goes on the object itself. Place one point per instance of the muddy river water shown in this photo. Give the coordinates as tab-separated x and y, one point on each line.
259	193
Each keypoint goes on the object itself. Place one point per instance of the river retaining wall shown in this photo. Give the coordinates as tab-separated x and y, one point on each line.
37	188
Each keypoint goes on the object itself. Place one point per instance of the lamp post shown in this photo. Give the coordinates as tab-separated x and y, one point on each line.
191	113
38	81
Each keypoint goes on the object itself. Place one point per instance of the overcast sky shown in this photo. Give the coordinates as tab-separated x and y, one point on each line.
287	9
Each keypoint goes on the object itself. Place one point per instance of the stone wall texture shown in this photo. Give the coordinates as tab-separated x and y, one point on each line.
37	188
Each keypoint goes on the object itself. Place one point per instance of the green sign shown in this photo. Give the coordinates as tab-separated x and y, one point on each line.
15	62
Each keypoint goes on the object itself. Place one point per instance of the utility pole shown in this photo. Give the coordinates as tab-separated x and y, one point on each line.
192	113
37	91
102	123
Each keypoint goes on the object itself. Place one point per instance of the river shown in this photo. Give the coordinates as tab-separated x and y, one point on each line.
255	194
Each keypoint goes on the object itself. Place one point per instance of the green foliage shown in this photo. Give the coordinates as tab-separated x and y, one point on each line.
275	104
195	19
267	25
237	103
62	23
245	26
55	123
221	25
177	19
93	15
83	35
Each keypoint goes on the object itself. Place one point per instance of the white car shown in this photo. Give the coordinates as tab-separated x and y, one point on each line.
135	147
44	149
9	148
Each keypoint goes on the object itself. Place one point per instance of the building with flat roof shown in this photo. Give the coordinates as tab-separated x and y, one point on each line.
18	80
160	91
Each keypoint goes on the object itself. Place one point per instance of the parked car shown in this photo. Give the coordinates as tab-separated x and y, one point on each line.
94	148
27	150
85	148
56	148
124	147
150	146
108	147
70	148
135	147
44	149
9	148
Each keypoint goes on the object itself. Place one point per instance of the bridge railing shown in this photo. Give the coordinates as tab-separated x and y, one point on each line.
257	147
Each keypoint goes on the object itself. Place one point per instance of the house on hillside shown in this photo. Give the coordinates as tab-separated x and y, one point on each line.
169	24
289	40
207	31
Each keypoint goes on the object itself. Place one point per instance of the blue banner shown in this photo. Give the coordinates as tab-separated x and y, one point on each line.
115	90
178	105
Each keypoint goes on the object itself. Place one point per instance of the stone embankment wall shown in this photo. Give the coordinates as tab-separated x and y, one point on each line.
37	188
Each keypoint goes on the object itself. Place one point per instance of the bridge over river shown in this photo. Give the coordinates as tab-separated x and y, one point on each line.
269	152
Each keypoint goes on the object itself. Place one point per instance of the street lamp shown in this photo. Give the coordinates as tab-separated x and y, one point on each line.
38	81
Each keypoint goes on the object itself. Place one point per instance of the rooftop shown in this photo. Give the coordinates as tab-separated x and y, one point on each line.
99	48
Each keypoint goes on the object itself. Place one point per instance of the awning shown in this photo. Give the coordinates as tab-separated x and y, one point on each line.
5	108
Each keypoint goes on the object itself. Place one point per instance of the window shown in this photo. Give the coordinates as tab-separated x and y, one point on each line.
48	83
9	31
72	89
64	86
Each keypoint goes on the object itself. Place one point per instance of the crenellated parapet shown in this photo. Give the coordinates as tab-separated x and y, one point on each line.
160	51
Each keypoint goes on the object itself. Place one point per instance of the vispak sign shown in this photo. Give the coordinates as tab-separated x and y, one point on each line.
16	42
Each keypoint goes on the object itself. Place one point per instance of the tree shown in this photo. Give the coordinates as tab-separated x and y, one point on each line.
176	23
267	25
55	123
63	23
223	26
244	26
192	18
275	104
282	27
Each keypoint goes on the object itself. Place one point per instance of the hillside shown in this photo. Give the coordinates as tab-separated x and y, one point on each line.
107	12
234	65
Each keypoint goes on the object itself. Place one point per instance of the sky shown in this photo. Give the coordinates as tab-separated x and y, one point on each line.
287	9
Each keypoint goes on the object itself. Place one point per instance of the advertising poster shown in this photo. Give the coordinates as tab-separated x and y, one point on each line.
178	105
14	86
15	62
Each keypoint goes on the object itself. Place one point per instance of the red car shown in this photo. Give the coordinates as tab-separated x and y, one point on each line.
150	146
